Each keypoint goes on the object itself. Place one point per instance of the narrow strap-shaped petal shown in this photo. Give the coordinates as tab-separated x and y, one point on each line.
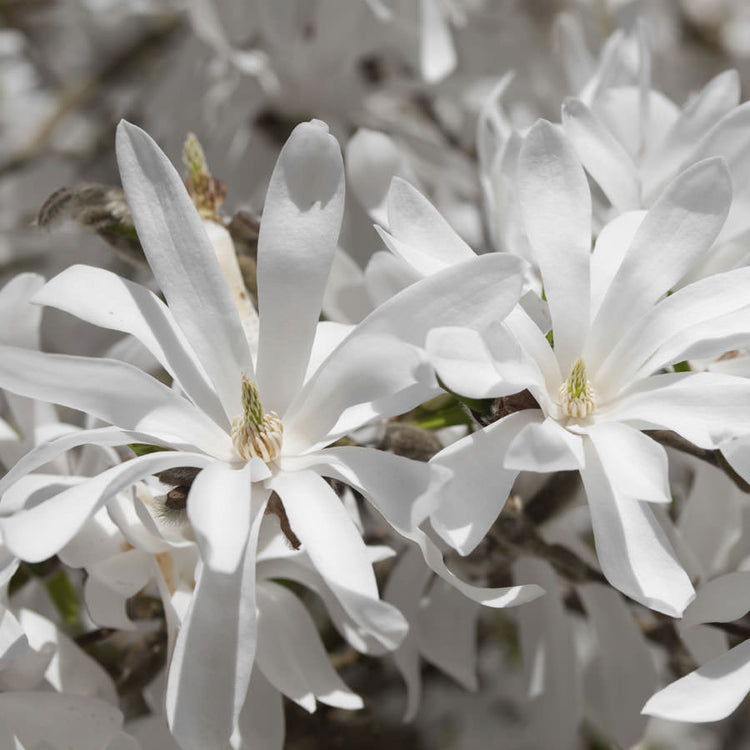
112	302
675	234
706	408
633	549
183	262
113	391
721	599
291	655
41	531
218	507
215	650
544	446
437	53
556	207
320	521
298	233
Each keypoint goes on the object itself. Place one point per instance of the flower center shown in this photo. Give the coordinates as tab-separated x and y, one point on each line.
577	397
255	434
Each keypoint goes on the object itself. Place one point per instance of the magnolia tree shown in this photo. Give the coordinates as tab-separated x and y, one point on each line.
268	459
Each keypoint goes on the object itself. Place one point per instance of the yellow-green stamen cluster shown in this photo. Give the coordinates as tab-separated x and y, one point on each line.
577	397
255	434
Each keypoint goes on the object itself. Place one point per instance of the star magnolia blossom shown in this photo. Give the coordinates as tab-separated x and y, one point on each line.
603	381
252	427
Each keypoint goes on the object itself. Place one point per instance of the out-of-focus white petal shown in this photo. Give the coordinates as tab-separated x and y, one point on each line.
556	206
549	658
49	720
722	599
437	54
298	233
709	693
183	262
21	320
372	161
623	673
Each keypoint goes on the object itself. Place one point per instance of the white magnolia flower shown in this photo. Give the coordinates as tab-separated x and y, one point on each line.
252	428
603	382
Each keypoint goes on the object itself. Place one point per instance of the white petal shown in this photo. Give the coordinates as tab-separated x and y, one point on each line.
115	303
706	408
112	391
710	693
633	550
183	262
472	499
291	655
298	233
464	363
218	507
40	532
602	155
620	449
674	324
674	235
420	229
322	524
215	651
624	673
544	447
556	206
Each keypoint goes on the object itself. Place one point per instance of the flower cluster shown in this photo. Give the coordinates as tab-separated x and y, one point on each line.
529	408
